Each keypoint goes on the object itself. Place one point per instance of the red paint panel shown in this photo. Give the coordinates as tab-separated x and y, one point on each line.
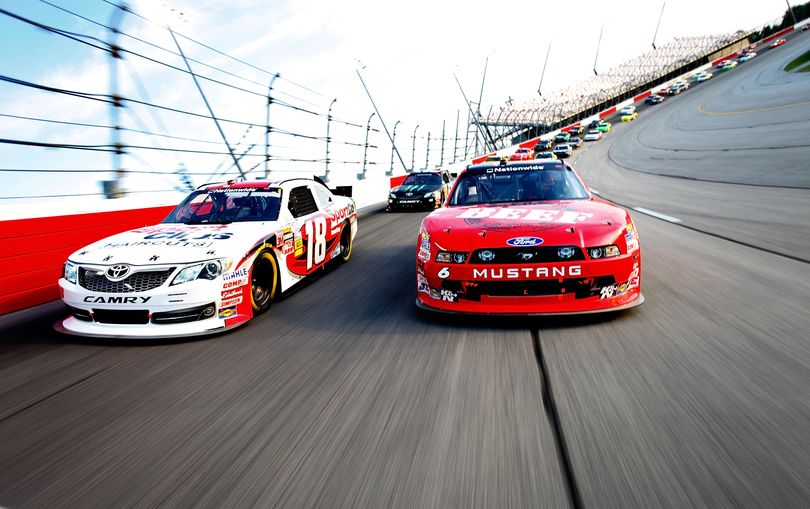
32	251
642	96
529	144
397	181
607	112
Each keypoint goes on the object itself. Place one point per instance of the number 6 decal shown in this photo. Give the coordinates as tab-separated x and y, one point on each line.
316	241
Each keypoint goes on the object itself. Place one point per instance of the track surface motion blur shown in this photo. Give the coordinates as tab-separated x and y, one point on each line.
343	395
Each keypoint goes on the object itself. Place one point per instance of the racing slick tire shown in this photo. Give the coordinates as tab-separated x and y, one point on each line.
345	243
263	282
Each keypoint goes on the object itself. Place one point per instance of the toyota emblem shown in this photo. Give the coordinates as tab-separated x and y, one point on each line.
117	272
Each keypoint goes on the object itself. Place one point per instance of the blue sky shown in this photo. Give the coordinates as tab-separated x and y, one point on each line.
408	53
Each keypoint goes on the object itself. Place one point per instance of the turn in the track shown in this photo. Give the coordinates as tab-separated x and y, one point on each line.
344	396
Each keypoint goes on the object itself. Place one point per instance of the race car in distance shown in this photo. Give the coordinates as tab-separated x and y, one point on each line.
420	190
576	130
575	143
628	113
654	99
702	76
217	260
563	150
527	238
730	65
562	137
522	154
542	145
777	43
805	28
593	135
603	127
496	159
722	63
545	155
745	57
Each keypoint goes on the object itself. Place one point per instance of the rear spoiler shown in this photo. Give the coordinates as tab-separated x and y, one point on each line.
338	191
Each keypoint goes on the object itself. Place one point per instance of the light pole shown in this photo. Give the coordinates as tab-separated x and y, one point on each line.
362	175
413	145
393	137
267	127
328	121
441	160
427	151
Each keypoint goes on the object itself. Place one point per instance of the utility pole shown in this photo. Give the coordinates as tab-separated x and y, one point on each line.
455	140
543	74
381	119
441	160
205	100
328	122
413	145
393	137
361	176
267	125
427	151
597	50
115	188
659	24
791	11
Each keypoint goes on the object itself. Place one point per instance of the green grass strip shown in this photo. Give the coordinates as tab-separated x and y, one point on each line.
799	61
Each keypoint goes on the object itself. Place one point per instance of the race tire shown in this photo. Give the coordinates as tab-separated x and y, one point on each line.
264	282
346	243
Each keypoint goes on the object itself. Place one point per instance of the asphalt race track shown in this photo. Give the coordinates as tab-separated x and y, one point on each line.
344	395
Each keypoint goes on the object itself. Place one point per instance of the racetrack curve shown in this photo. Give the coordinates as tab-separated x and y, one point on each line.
344	395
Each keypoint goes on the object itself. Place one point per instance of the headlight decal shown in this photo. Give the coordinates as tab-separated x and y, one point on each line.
71	272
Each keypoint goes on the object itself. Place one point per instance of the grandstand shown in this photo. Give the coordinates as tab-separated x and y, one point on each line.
541	114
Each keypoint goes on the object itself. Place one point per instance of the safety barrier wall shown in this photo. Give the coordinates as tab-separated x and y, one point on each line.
33	251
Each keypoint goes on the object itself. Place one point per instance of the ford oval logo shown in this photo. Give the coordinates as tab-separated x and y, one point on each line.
525	241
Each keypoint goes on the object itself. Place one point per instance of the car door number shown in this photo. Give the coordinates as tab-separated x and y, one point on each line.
316	241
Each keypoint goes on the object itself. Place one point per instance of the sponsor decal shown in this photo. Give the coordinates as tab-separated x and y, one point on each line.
631	239
528	272
231	302
227	312
524	241
231	293
449	296
422	284
521	214
299	246
288	247
236	274
152	243
93	299
614	290
184	235
235	283
424	245
336	252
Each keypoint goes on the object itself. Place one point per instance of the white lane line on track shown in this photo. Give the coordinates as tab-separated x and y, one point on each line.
656	214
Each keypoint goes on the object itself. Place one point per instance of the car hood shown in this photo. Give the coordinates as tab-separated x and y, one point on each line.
415	190
176	244
565	222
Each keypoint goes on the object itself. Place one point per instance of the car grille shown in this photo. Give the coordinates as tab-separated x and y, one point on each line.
121	316
140	281
580	287
517	255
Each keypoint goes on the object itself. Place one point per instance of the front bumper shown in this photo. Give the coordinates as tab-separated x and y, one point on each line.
164	312
413	203
588	286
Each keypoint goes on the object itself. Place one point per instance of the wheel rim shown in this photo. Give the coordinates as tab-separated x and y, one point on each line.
263	282
346	243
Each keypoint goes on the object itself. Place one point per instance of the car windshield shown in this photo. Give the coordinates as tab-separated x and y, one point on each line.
222	206
513	184
423	179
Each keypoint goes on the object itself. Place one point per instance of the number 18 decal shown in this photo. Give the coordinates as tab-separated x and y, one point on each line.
316	241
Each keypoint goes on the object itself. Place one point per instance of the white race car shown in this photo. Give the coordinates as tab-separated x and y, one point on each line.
217	260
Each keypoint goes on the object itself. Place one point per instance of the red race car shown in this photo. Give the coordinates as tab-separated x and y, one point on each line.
527	238
522	154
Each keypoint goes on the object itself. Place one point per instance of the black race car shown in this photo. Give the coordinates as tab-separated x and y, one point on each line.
576	130
654	99
420	190
542	146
